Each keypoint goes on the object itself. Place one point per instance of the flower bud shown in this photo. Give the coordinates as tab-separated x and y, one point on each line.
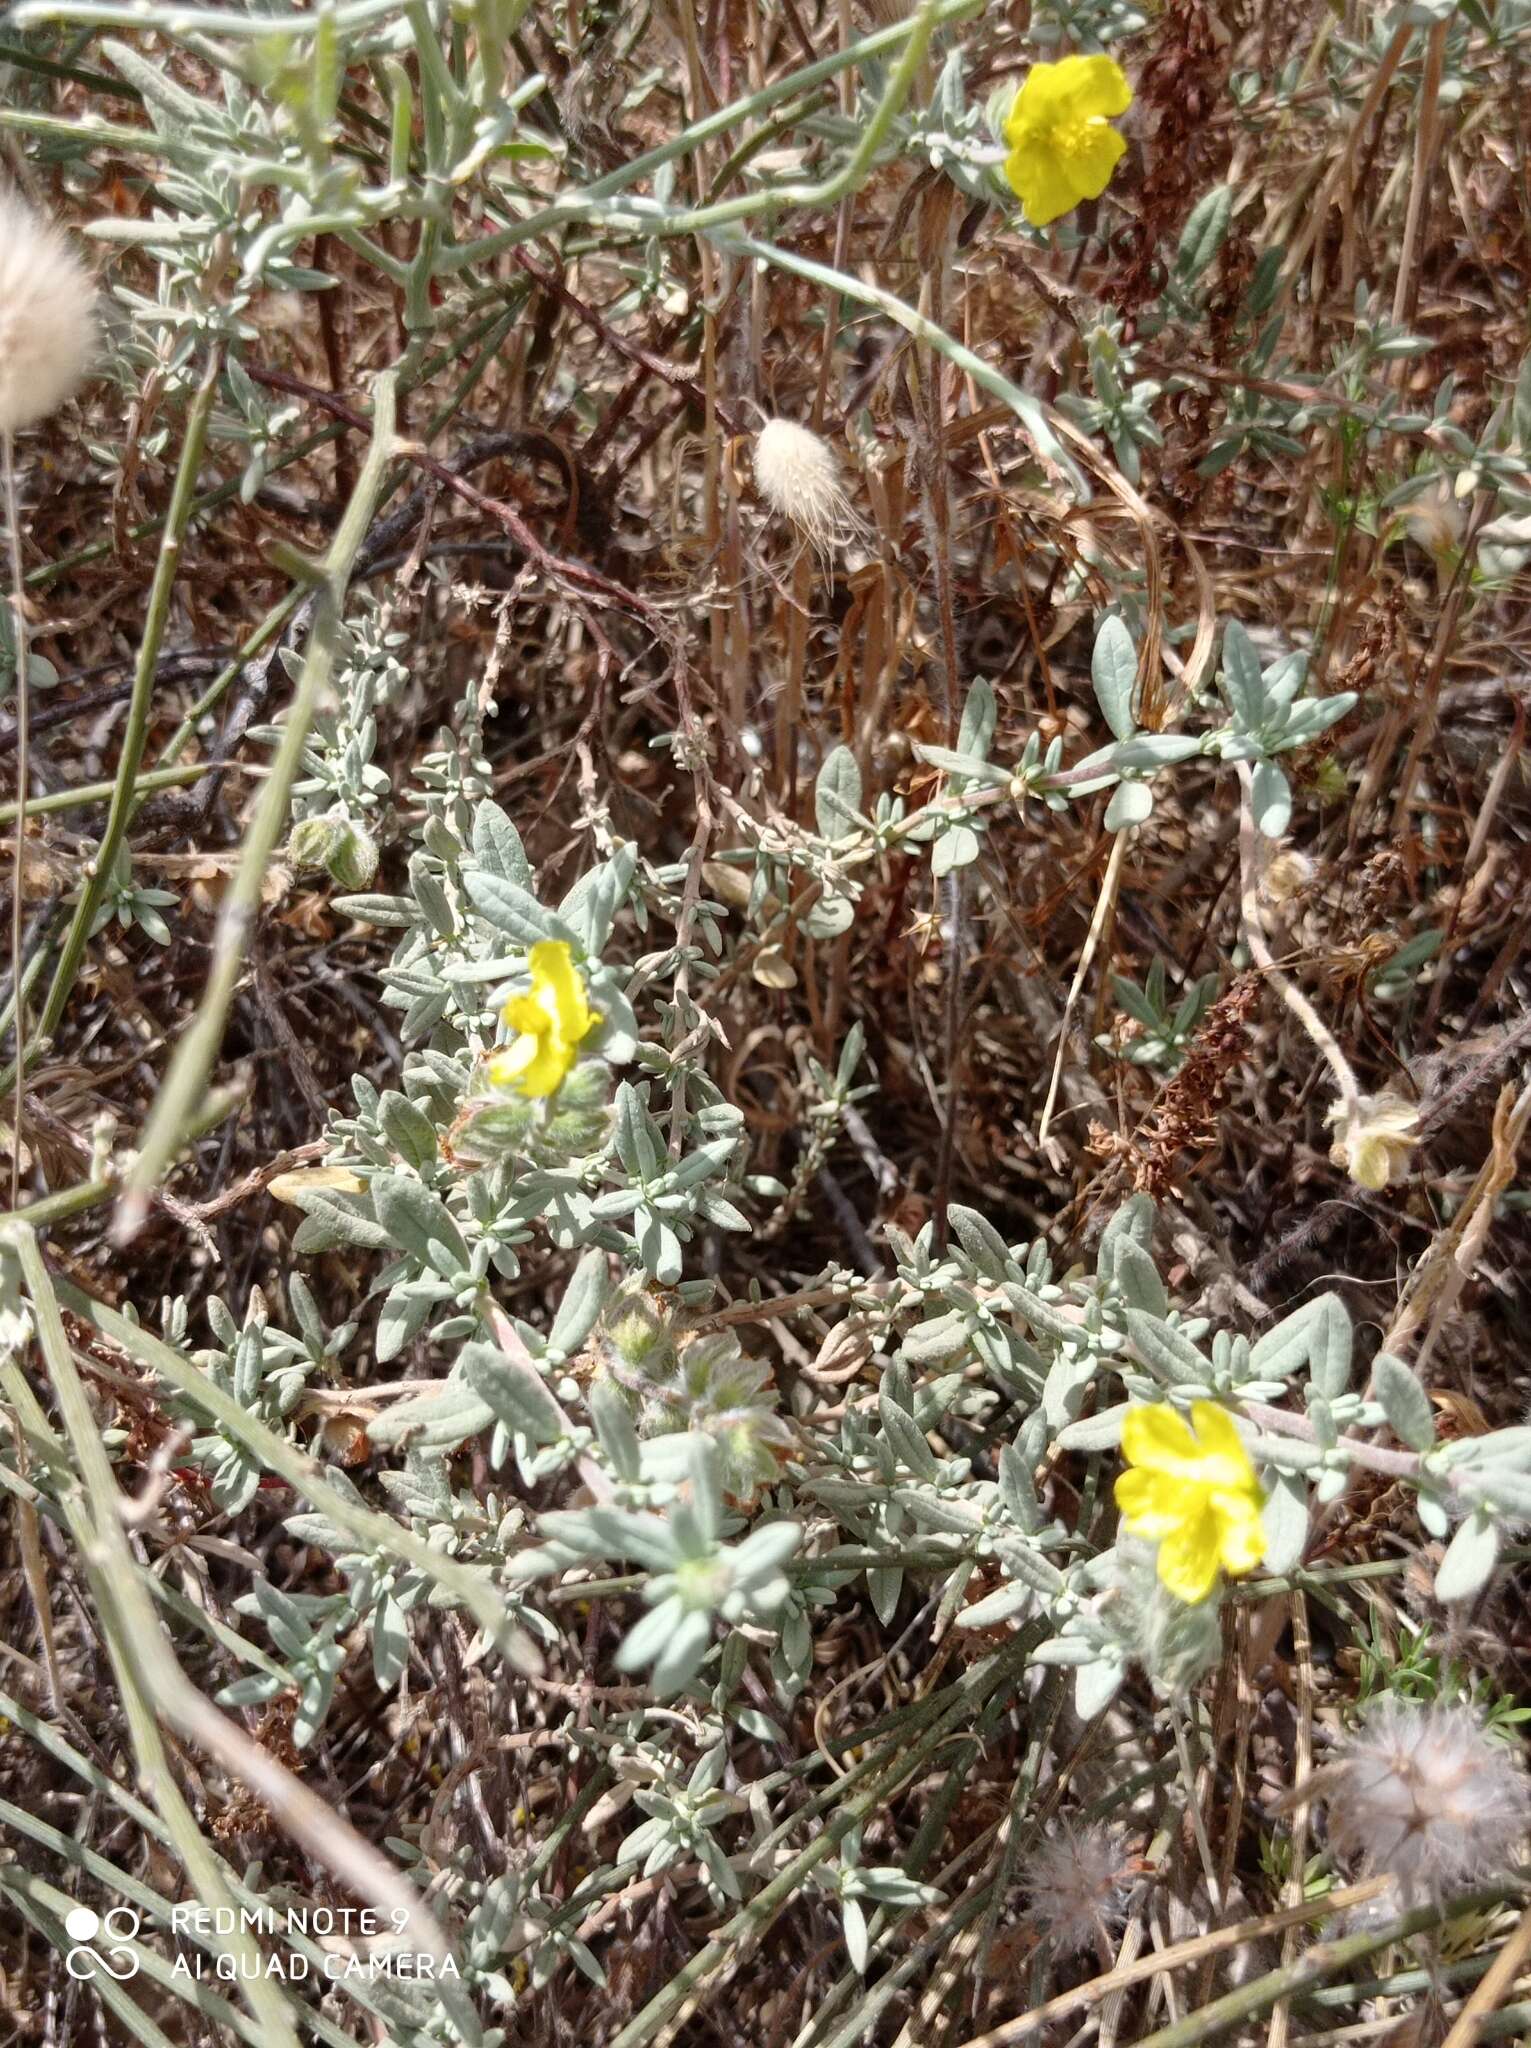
345	850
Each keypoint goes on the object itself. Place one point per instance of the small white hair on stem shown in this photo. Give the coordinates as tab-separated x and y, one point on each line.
1426	1795
798	475
47	316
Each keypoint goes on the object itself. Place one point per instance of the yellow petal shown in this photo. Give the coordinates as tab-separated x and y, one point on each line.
1223	1461
1188	1559
513	1060
547	1070
1156	1435
1036	105
1151	1503
1039	179
1096	85
525	1013
1240	1532
552	964
1094	158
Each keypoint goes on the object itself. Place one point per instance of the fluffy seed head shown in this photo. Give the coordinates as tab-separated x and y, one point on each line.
798	476
1425	1794
1078	1885
47	316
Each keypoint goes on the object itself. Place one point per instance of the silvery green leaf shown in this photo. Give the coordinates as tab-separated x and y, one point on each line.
1046	1320
1285	1517
431	897
583	1300
957	847
1317	1335
1143	750
938	1338
1132	803
400	1320
1502	1487
1064	1387
908	1441
884	1584
1017	1494
1242	683
979	717
938	1511
513	909
390	1642
591	906
378	910
408	1129
837	794
1204	233
1137	1279
331	1219
854	1923
416	1220
998	1606
967	765
981	1241
1271	799
1102	1432
432	1422
1096	1685
514	1391
658	1247
829	917
1314	715
613	1421
1022	1562
1167	1352
1470	1558
1134	1223
497	846
1431	1510
1404	1402
1114	672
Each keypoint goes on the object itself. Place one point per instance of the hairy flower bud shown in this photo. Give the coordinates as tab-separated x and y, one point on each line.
47	316
345	850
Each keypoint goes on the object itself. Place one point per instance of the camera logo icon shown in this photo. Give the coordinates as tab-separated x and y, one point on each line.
100	1942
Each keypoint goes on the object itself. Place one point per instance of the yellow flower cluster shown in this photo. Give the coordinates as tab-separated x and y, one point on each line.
550	1022
1061	149
1192	1491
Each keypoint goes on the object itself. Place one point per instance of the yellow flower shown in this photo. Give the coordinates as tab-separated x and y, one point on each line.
549	1024
1194	1494
1061	150
1374	1145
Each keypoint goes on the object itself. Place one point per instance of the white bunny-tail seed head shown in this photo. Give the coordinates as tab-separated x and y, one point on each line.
798	476
1426	1794
1078	1884
47	316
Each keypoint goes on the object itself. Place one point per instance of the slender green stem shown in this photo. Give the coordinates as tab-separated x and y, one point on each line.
134	1638
587	205
1324	1959
1027	409
307	1477
125	794
181	1091
19	808
87	793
